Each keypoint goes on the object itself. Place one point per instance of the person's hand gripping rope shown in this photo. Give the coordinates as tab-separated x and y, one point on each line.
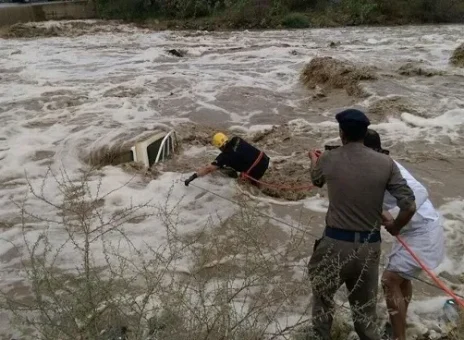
314	155
389	223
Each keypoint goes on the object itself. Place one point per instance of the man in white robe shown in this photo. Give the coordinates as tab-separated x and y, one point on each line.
423	234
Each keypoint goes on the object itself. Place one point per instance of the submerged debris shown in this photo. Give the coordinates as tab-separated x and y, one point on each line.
113	151
412	69
124	91
457	59
140	169
185	163
73	28
285	175
110	154
273	136
383	108
198	135
330	73
177	53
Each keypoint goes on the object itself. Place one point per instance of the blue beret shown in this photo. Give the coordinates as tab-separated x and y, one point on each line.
354	116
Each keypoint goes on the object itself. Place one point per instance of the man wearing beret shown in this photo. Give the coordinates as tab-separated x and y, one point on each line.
349	250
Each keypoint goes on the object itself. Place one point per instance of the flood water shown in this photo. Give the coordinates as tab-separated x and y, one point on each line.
64	96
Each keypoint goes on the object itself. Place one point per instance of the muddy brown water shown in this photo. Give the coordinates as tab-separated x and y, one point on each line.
63	97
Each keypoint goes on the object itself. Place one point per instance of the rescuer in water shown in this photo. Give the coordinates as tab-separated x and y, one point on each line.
238	155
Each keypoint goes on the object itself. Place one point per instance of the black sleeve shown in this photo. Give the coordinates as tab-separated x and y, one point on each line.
221	160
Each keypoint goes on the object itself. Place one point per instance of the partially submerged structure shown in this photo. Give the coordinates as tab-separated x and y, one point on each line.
148	148
155	149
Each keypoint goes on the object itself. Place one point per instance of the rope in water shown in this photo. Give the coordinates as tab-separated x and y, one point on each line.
259	212
439	284
280	186
430	274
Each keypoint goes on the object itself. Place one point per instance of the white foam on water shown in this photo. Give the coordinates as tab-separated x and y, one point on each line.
316	204
453	223
450	120
196	212
196	150
394	130
432	306
252	128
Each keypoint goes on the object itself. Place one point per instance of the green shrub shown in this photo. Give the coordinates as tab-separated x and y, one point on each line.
360	12
122	9
253	13
296	20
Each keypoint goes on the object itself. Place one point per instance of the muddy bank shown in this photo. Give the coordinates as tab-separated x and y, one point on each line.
457	59
325	74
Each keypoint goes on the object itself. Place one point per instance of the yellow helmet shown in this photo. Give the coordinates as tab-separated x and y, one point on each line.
219	140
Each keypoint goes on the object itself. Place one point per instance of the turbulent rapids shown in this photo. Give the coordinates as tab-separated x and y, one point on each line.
73	91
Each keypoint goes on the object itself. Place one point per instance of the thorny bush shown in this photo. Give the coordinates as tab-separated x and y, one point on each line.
237	277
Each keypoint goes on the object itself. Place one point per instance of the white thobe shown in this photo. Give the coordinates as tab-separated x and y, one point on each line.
424	233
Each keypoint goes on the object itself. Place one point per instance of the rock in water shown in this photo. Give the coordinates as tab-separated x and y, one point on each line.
177	53
457	59
330	73
412	69
393	106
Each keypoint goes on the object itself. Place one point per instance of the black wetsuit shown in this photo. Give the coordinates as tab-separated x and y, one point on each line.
240	156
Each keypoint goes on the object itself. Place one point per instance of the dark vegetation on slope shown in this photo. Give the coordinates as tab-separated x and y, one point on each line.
229	14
